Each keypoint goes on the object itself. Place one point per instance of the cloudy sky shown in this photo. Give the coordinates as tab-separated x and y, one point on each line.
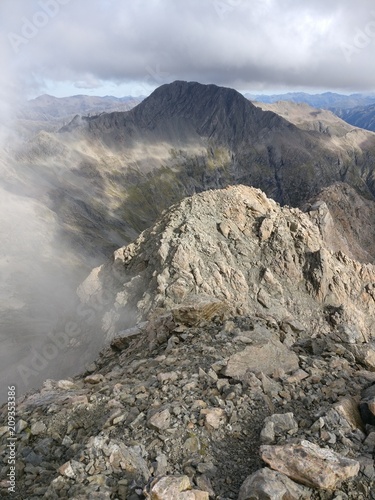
122	47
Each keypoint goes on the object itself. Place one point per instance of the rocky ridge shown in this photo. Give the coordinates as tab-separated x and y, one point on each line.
243	249
245	339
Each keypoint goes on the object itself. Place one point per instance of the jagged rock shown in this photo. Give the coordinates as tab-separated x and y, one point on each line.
122	339
201	309
267	484
174	488
242	274
265	229
267	435
214	417
283	422
263	357
364	354
38	428
94	379
160	419
71	469
309	464
348	408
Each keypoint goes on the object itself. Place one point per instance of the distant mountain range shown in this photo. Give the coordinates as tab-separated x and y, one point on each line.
50	113
327	100
360	116
356	109
47	107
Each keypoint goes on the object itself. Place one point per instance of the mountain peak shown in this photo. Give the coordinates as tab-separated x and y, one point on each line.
218	113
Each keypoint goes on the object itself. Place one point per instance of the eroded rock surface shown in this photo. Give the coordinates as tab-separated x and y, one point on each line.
238	248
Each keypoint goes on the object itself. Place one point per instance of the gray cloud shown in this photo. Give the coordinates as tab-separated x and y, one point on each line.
242	43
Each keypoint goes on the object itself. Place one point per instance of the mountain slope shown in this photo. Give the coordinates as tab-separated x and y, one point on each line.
309	118
258	339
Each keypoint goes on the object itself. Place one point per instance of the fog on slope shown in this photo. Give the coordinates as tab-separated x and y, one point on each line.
43	333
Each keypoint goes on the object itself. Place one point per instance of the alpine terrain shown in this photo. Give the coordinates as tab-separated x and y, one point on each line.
208	265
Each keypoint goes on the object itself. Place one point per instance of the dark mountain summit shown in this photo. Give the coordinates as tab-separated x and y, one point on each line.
215	112
187	111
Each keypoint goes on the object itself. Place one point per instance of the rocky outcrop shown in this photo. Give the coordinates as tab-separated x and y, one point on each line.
345	220
242	250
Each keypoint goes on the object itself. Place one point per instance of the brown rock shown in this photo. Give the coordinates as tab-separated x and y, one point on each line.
200	309
175	488
160	420
94	379
309	464
348	409
214	417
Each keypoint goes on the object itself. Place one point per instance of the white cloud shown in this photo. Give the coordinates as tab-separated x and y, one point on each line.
243	43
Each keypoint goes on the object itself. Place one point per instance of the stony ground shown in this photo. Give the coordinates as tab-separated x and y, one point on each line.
165	407
236	337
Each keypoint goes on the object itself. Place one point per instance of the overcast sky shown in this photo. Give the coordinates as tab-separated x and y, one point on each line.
121	47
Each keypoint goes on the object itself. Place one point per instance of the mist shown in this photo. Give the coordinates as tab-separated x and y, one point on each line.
44	332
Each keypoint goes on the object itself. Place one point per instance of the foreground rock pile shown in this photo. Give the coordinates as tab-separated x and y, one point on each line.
254	379
166	406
